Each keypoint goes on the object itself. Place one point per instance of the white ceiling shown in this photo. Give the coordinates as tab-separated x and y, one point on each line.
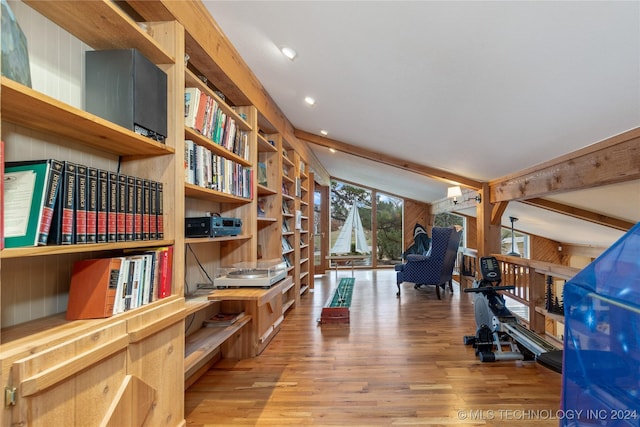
480	89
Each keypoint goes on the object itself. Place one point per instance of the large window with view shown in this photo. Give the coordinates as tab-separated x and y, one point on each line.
350	228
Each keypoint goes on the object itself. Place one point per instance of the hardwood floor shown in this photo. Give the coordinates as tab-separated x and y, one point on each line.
399	362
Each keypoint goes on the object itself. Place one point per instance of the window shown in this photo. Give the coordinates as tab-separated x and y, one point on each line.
520	243
350	223
449	220
388	229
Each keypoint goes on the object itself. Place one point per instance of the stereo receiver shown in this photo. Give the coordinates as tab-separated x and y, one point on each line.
212	226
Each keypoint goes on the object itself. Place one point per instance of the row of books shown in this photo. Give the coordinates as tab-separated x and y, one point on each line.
103	287
286	246
208	170
203	114
51	202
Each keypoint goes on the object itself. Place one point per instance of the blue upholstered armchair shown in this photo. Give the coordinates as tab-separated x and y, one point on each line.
435	268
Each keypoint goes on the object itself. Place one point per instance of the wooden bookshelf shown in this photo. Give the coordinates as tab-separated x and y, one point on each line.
44	356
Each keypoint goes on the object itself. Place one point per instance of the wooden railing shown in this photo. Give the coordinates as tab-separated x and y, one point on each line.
530	278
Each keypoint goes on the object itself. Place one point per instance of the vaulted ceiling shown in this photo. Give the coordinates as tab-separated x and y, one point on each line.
474	89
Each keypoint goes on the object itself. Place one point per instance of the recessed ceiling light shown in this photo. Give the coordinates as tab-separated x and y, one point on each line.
289	53
333	150
324	132
309	100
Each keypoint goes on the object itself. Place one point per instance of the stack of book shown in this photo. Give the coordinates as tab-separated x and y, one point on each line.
204	115
223	319
103	287
208	170
49	202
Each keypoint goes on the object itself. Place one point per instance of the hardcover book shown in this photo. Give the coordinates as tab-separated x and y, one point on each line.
69	203
160	211
93	288
121	212
92	205
130	206
25	196
153	210
103	205
81	204
112	208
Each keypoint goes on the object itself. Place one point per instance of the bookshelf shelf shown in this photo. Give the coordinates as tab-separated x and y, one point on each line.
51	329
203	240
102	25
265	221
197	192
287	179
201	346
265	191
287	161
265	146
287	305
75	249
193	304
26	107
215	148
289	284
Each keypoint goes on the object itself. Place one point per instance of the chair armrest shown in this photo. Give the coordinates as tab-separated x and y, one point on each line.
417	258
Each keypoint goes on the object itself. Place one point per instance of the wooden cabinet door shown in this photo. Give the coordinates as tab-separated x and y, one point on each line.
72	383
156	356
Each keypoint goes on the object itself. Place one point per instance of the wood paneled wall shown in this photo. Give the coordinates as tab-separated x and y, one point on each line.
415	212
546	250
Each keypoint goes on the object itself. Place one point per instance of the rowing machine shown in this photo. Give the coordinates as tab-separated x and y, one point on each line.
499	335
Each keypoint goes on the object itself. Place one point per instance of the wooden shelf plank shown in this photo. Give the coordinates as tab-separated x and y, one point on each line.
102	25
204	342
287	305
26	107
265	191
556	317
196	240
47	331
194	304
215	148
266	220
197	192
264	145
288	285
72	249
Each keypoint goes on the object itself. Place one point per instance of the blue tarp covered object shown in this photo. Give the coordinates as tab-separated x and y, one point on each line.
601	366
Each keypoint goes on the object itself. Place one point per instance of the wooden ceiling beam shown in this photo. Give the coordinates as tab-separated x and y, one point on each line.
578	213
430	172
614	160
497	212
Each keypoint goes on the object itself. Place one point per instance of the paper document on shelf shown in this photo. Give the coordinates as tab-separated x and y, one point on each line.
19	188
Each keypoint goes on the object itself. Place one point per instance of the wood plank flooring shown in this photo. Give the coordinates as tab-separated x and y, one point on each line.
399	362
